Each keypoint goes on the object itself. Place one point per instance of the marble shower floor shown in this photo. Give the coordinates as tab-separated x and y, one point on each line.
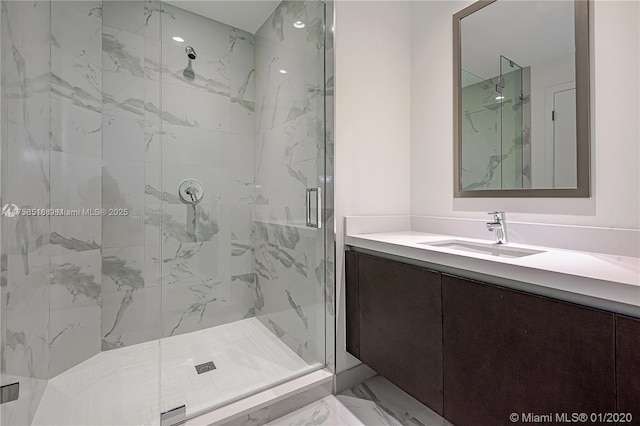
123	386
375	402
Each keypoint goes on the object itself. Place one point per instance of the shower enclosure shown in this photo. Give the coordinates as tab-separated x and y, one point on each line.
166	238
496	149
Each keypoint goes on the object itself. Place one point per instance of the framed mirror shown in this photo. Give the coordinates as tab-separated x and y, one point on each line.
521	99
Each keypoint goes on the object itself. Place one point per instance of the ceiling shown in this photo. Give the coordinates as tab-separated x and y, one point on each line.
248	15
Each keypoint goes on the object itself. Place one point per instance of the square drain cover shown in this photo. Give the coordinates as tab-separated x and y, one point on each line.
207	366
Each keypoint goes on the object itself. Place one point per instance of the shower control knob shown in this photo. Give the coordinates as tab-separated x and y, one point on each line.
191	191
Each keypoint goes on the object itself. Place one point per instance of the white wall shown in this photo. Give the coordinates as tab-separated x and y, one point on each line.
372	130
615	116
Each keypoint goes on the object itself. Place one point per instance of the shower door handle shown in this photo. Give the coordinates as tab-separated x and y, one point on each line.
318	199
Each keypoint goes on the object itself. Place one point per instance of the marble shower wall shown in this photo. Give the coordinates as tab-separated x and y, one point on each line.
170	268
131	287
290	147
207	134
24	261
76	175
492	151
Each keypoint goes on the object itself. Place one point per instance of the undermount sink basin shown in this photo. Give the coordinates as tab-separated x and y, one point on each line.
483	248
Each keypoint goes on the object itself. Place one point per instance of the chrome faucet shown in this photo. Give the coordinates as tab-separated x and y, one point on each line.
499	226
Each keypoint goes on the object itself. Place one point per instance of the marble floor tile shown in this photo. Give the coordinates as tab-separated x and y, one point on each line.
376	402
318	413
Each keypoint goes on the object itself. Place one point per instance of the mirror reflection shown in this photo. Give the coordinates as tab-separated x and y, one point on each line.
517	100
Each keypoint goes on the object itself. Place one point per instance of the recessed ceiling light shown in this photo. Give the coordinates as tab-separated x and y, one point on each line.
299	24
178	39
283	71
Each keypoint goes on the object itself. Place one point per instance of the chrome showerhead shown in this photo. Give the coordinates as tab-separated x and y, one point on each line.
191	52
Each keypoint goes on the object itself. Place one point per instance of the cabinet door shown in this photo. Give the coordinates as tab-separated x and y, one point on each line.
510	352
628	366
401	326
352	303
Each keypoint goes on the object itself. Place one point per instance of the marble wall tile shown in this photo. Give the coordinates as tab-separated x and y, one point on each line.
75	176
241	119
123	269
75	181
481	123
123	94
131	52
237	219
75	184
25	336
26	351
242	50
211	74
25	62
83	39
153	10
26	58
152	55
196	306
152	138
289	257
130	316
128	15
74	309
152	201
242	91
74	234
123	188
280	174
195	108
124	138
122	51
75	80
75	130
131	304
27	149
185	146
288	263
190	263
152	265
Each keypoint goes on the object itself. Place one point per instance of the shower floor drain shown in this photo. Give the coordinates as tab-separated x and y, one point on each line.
207	366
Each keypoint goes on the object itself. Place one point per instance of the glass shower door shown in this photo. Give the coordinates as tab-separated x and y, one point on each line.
511	123
242	251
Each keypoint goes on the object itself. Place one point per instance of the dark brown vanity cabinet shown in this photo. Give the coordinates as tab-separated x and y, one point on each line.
477	352
507	352
628	366
352	302
398	312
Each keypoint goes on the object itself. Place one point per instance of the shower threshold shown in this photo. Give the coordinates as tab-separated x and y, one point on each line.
132	385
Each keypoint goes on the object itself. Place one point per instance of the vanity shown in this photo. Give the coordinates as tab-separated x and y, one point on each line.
477	331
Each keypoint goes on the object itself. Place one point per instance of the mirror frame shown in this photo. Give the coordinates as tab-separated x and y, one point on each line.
583	112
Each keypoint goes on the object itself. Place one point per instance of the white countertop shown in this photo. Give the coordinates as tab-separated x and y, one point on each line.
608	278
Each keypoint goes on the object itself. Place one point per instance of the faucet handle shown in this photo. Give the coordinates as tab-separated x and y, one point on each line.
497	216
